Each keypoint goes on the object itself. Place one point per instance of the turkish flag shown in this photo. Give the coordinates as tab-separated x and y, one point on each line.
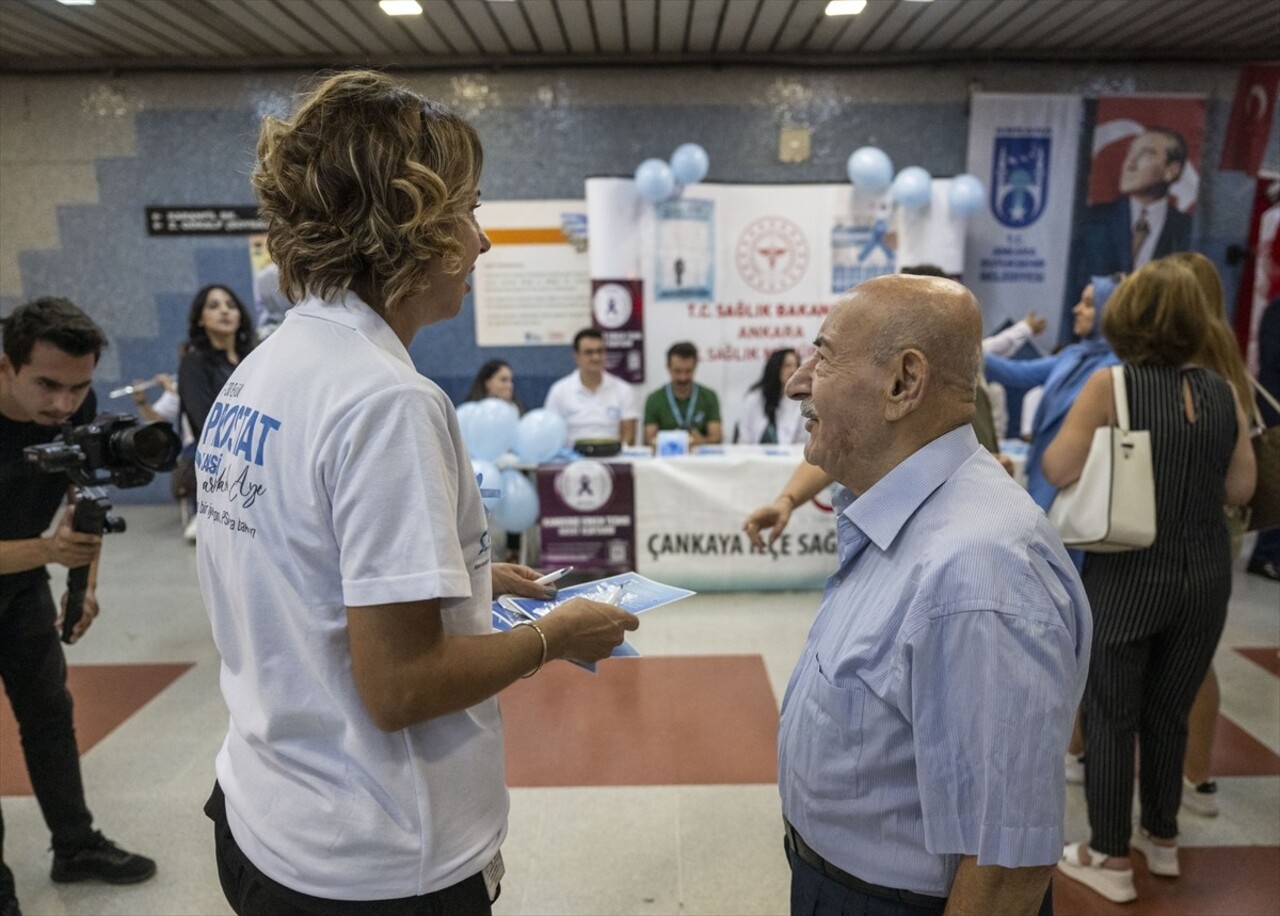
1250	122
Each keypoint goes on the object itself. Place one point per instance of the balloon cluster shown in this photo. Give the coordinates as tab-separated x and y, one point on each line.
492	429
657	181
871	170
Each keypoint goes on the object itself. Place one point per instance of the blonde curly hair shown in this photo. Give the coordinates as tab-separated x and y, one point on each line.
364	189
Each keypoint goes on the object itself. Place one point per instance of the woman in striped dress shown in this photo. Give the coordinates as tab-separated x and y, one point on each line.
1157	612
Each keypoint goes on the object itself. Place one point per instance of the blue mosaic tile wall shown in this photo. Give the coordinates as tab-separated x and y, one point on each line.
195	137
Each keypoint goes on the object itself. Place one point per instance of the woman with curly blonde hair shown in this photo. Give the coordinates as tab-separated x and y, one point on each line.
343	551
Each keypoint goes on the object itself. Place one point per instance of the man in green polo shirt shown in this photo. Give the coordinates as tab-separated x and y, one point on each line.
683	403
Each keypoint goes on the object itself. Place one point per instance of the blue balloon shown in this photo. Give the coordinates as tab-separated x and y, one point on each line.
491	429
966	195
489	479
870	169
519	507
654	180
689	163
912	188
539	435
466	412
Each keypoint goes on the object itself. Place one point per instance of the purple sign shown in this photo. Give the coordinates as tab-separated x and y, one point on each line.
617	312
588	515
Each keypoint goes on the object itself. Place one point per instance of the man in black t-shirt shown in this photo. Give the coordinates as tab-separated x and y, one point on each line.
50	351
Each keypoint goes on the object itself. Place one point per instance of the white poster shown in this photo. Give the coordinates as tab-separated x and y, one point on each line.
688	525
1024	148
532	287
743	270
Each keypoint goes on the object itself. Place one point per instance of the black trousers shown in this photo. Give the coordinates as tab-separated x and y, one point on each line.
1141	689
251	893
34	672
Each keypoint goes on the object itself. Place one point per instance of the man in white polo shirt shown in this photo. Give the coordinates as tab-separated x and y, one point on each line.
594	404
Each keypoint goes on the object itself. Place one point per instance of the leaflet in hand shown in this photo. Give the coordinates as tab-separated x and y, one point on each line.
630	591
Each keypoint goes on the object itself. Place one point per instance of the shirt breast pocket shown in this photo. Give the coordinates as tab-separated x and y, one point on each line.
834	714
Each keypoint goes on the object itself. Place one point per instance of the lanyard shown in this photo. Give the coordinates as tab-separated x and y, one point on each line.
682	422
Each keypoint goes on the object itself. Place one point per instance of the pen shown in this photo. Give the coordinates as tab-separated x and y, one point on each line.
553	576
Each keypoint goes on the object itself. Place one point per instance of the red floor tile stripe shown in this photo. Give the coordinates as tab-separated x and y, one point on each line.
674	720
1266	656
1224	880
1237	753
104	695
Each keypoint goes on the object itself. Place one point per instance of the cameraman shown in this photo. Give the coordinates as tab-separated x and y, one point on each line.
50	351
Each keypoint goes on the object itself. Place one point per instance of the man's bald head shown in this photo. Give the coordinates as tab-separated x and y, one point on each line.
894	367
934	315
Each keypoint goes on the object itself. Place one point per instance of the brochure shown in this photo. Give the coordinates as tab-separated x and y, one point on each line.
629	591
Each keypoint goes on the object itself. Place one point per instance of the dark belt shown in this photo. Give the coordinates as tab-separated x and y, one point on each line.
826	869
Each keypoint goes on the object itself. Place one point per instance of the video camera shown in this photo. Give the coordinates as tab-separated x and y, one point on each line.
115	449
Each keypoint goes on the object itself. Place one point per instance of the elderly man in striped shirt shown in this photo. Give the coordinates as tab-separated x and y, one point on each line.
922	733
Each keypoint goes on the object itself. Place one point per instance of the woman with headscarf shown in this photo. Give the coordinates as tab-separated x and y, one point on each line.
1063	375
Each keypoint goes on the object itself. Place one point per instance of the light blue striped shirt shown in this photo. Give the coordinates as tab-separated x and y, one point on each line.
928	716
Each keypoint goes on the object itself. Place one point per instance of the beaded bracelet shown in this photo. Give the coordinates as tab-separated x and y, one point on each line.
537	629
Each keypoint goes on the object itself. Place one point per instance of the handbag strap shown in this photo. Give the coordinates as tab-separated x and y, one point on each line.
1275	405
1121	397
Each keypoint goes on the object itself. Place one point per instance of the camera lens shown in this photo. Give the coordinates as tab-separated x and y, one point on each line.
153	445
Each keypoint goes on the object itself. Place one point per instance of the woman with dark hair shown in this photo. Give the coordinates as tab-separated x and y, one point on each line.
768	416
1063	375
1157	612
495	380
219	335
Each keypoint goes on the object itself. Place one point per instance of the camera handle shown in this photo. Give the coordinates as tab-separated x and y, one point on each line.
92	516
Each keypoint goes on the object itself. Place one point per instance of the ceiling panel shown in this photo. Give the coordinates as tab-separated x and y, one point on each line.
388	29
43	35
701	36
454	29
738	17
476	18
609	27
673	25
639	19
892	26
576	16
544	18
773	15
856	29
511	20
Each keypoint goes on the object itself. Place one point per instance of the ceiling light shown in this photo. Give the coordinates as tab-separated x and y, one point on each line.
400	7
77	2
845	7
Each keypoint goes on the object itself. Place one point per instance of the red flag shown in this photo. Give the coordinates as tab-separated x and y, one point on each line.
1250	122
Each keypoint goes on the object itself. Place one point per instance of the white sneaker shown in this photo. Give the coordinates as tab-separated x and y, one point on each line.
190	531
1075	769
1161	860
1200	799
1116	886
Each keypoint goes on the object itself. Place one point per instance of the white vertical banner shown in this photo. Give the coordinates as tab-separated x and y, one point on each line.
1025	150
743	270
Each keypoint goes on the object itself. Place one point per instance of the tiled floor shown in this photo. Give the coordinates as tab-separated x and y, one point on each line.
647	789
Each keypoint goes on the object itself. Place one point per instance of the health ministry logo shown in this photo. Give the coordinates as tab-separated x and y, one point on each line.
1020	179
772	254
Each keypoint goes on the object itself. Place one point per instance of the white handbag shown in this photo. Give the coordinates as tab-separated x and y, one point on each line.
1112	507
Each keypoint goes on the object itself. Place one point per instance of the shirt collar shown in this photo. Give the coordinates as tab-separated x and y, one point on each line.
881	512
352	312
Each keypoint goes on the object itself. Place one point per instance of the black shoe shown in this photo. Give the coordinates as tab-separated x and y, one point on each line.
101	860
1269	569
